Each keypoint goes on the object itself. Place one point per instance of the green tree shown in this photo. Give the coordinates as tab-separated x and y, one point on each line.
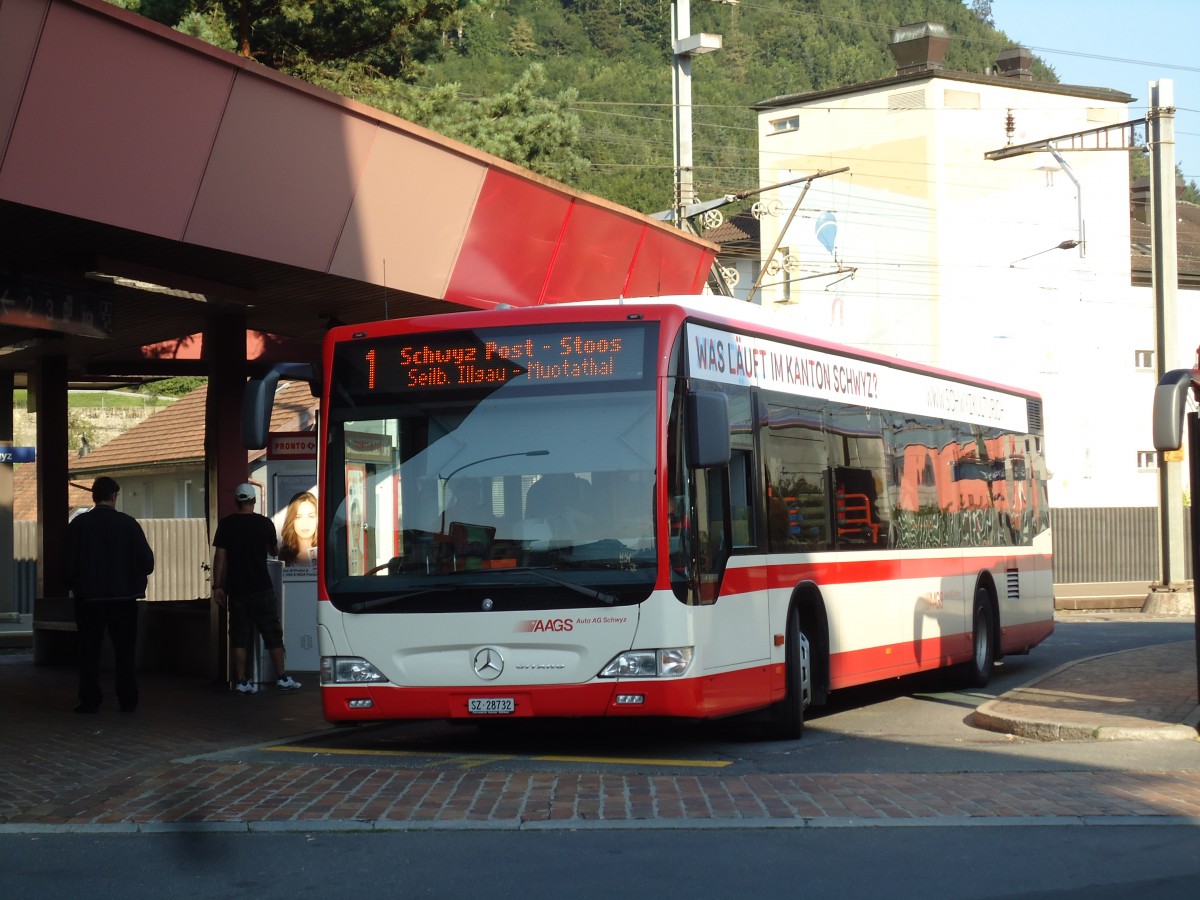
605	27
392	36
172	387
521	40
983	9
209	24
519	124
461	67
79	429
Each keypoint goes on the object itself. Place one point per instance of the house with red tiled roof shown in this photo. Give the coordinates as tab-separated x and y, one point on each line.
159	463
1187	243
25	493
738	237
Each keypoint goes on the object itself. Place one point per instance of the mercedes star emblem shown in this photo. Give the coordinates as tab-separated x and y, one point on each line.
489	664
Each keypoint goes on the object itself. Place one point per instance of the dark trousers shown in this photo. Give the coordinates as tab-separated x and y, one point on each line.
119	617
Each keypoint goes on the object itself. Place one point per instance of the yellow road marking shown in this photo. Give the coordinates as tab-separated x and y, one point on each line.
292	748
462	762
631	760
479	760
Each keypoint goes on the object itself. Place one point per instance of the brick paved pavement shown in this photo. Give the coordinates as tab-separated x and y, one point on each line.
151	771
1143	694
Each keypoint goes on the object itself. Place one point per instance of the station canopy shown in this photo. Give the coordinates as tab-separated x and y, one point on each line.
151	183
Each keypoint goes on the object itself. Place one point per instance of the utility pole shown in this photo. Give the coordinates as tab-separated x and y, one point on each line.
1160	140
683	47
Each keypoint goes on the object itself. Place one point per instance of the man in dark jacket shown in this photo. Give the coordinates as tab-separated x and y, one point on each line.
108	561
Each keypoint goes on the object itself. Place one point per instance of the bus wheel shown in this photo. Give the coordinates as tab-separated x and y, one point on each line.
983	646
787	716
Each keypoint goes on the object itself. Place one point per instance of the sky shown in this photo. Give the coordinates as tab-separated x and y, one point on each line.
1122	45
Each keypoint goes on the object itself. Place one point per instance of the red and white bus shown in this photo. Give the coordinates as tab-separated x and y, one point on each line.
667	507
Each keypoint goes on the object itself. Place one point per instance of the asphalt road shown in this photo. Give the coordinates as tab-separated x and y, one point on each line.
909	725
917	724
1029	862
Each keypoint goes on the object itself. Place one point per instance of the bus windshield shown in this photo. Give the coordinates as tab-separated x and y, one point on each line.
498	468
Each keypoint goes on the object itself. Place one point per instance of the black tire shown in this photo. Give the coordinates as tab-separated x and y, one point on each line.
978	671
787	716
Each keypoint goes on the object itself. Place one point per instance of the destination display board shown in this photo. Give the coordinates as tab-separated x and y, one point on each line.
489	358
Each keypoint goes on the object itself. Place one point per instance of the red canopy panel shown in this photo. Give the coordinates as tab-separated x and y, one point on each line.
109	117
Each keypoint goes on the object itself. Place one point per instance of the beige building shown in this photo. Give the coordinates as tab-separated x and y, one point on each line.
1015	270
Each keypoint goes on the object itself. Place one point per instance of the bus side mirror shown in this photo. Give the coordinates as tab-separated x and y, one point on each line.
258	398
1170	397
708	429
256	413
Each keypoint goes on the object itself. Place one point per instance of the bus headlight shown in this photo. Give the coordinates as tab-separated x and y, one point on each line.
349	670
669	662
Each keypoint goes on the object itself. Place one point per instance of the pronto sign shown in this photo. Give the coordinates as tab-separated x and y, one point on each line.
292	445
740	359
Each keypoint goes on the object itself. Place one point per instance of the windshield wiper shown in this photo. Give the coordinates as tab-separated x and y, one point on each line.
364	605
602	596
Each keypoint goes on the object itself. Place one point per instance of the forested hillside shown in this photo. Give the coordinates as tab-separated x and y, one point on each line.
615	56
580	90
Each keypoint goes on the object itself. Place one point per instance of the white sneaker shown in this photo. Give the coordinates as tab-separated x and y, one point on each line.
246	686
287	683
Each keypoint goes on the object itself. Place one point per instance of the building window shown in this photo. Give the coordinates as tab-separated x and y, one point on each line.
791	123
961	99
1147	459
906	100
1143	359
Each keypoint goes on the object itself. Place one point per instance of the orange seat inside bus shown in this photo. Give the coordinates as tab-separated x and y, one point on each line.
854	516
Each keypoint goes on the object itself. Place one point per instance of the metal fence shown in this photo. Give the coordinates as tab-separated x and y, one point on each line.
24	565
182	557
1097	545
1109	544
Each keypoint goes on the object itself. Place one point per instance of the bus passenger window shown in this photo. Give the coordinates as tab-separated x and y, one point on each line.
857	510
797	458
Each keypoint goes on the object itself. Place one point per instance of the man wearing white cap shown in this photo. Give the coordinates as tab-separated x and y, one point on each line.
243	542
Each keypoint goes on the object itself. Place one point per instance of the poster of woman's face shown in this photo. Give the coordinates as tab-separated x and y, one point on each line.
298	535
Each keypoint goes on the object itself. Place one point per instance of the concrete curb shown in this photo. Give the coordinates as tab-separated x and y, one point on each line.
989	718
381	826
994	716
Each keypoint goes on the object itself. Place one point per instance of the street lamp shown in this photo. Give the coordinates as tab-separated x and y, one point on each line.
1062	245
